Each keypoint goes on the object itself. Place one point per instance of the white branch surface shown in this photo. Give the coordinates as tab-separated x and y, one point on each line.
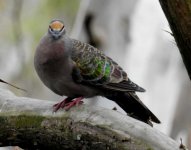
116	121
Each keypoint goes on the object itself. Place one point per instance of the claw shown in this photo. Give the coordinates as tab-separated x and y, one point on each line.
61	104
76	102
67	103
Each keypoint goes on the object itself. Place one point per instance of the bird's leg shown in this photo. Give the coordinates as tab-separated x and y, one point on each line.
61	104
76	102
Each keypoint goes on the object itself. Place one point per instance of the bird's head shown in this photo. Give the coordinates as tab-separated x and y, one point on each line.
56	28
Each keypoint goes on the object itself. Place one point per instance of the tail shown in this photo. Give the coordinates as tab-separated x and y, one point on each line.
134	107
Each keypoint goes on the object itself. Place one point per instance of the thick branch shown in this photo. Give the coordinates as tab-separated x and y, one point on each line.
30	123
178	14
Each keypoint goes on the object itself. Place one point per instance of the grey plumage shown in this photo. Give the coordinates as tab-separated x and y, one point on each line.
76	69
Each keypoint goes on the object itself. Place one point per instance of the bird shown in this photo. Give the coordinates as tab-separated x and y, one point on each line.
78	70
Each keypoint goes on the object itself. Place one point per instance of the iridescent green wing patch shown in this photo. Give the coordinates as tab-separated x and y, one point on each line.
94	66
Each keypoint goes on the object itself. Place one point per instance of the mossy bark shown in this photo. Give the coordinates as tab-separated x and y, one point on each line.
178	14
31	124
38	132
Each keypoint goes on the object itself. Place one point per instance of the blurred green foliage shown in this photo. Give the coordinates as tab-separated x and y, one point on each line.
23	23
48	10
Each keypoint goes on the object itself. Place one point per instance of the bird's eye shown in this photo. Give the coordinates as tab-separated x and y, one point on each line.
62	28
50	29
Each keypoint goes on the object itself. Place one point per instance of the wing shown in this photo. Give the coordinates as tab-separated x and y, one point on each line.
95	68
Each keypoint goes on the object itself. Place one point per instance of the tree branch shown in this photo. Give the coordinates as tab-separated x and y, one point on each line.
178	14
30	123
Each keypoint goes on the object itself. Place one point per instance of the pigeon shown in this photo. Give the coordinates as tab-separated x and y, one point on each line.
78	70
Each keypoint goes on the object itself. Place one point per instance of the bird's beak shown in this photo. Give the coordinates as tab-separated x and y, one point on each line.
56	34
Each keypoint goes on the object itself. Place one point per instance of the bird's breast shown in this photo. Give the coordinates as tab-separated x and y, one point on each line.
54	66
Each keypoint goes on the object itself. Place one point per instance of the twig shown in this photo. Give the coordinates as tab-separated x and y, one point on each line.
13	85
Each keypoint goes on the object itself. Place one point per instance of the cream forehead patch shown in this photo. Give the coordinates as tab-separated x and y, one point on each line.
56	25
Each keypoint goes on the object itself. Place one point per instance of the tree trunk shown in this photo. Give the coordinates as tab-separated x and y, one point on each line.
30	124
178	14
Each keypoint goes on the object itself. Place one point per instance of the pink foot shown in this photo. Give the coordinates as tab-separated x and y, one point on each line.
67	103
61	104
76	102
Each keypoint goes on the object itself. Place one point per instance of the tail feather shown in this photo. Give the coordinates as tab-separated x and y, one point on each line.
134	107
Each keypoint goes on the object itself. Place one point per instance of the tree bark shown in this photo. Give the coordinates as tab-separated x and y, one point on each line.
178	14
30	124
